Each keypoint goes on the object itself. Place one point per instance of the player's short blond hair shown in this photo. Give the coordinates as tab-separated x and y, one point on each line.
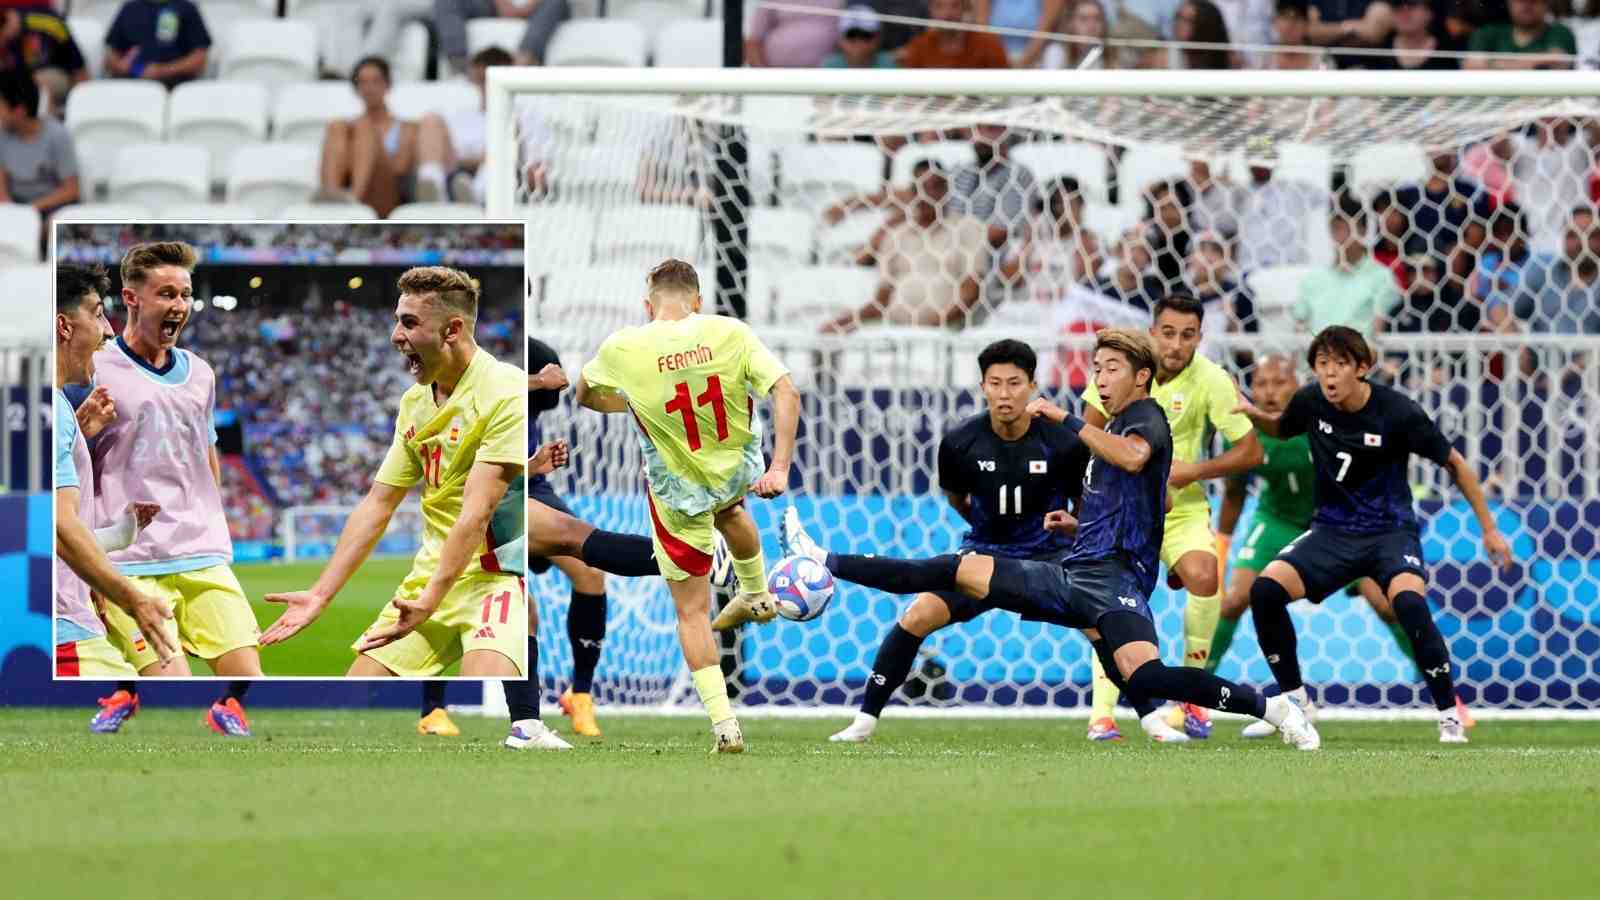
673	275
451	288
1135	345
141	258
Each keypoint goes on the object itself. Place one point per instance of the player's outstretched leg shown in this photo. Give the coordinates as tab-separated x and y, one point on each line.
121	706
226	715
752	603
435	718
586	632
528	731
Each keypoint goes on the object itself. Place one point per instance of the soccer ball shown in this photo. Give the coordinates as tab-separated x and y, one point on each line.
802	587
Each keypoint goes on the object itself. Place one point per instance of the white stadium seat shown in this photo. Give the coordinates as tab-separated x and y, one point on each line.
19	234
599	170
218	115
412	101
89	33
1276	288
597	42
815	174
1050	160
330	212
410	61
436	212
653	13
1378	166
273	51
101	212
1108	221
270	177
594	297
503	33
159	175
339	25
950	154
301	112
207	212
104	116
645	233
1143	165
781	236
839	243
26	321
560	235
692	43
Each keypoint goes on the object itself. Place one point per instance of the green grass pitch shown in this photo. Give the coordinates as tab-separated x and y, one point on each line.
324	648
355	804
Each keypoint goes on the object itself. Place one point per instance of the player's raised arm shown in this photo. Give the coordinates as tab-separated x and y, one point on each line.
487	483
360	534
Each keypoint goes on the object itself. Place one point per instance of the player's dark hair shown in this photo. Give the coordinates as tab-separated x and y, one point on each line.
490	57
1340	342
673	275
76	284
380	62
1181	303
1301	8
18	88
1009	351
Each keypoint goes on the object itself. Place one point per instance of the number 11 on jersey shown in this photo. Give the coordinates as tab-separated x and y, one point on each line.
712	397
1016	504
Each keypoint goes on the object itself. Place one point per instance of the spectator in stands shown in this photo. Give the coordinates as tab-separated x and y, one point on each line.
1249	24
1268	217
161	40
1129	27
450	149
1355	289
1557	293
948	48
931	264
368	159
1504	252
995	190
544	17
1166	223
1210	276
791	39
1086	20
1292	23
1058	251
1435	211
1160	16
1024	15
37	41
386	19
1530	40
1350	23
1434	301
1550	163
895	35
860	44
536	150
1201	22
1131	276
38	163
1414	46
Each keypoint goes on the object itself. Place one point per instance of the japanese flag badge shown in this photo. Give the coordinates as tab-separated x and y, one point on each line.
1036	467
1372	440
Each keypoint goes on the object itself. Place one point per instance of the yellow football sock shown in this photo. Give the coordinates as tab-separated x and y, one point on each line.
752	574
1105	693
1200	615
713	691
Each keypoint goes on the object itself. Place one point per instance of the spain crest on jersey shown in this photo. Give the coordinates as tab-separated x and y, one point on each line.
455	430
1176	404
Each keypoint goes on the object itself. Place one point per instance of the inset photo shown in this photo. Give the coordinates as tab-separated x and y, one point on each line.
289	450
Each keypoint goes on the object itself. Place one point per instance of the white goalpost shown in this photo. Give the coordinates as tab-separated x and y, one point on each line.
878	230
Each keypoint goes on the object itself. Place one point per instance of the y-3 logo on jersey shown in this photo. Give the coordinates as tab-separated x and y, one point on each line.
1413	560
1324	427
985	465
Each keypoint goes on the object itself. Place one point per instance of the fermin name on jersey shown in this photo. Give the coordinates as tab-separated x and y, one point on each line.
672	362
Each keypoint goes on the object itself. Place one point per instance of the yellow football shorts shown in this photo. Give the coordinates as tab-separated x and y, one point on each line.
683	543
210	615
1188	528
93	658
487	611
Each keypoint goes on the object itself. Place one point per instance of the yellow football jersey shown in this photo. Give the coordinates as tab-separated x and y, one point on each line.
688	383
484	420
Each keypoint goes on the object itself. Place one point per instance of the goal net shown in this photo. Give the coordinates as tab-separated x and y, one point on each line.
879	231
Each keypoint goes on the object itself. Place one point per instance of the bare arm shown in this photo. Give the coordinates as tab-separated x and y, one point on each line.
600	399
487	484
1049	12
1236	460
61	196
1233	495
957	314
871	311
77	547
1493	541
188	65
1266	423
785	422
514	9
1371	29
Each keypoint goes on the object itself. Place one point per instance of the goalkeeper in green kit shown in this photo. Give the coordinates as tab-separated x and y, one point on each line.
1283	513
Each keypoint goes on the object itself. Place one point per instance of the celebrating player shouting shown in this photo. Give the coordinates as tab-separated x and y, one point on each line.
687	379
1103	587
461	432
1362	436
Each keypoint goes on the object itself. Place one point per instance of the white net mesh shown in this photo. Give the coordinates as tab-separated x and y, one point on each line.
1456	231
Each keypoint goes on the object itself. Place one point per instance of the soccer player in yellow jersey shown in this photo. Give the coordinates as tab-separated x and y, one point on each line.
461	432
687	379
1197	395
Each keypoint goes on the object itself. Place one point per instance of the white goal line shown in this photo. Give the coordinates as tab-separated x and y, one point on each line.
1324	714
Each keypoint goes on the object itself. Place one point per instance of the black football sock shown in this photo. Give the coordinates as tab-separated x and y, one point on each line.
1186	684
628	555
897	576
1141	703
586	629
236	691
1269	604
890	668
432	696
1433	657
522	697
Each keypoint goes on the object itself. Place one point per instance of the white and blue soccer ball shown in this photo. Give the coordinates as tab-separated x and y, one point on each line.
802	586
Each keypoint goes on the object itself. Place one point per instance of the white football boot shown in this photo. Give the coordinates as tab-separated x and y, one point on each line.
532	734
793	540
1451	729
1291	722
1261	728
859	731
1155	725
729	738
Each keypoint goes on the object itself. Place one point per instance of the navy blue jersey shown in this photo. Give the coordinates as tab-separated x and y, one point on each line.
1122	513
540	355
1361	457
1011	484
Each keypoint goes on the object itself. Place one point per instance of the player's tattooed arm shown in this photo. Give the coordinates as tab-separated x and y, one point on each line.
1127	452
1494	543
